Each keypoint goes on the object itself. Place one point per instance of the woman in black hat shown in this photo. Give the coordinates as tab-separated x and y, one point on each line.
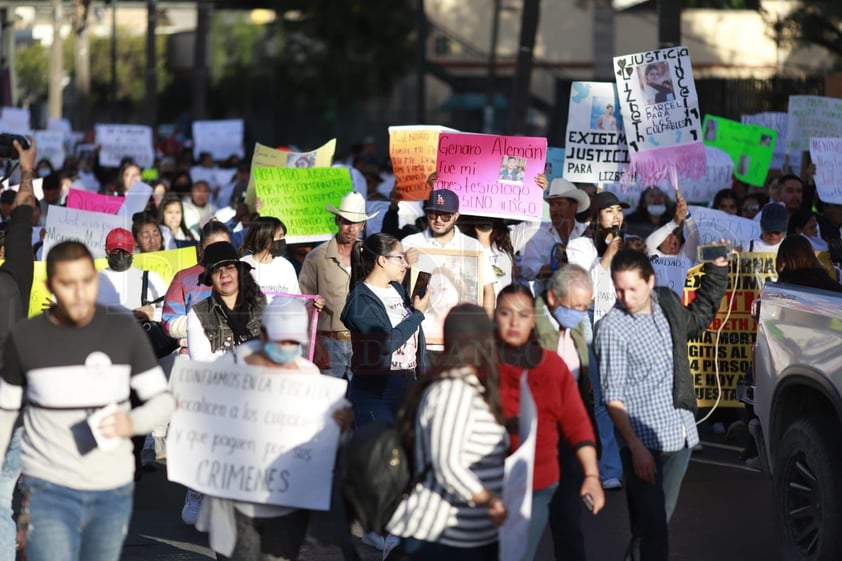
231	314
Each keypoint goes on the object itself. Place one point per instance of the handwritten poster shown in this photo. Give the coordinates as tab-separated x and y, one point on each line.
254	434
166	263
51	147
826	153
88	227
222	139
14	120
298	197
125	141
810	116
517	481
492	175
777	122
660	111
413	150
714	225
85	200
750	146
718	174
267	157
595	141
554	166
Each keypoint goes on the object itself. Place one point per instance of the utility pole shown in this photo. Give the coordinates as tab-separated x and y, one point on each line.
82	63
113	61
523	66
603	41
200	60
488	116
9	94
151	64
56	70
421	66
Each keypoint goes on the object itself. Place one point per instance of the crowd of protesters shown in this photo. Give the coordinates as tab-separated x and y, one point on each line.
580	305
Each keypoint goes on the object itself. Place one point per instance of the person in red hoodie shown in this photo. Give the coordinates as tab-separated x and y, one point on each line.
561	413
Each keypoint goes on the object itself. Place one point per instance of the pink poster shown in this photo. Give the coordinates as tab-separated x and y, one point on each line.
94	202
492	175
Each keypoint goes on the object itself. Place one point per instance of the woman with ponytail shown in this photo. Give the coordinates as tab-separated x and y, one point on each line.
386	337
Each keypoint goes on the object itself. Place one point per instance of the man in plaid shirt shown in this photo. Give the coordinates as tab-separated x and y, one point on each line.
648	389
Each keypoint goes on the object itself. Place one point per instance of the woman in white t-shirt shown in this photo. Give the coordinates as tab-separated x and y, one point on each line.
264	249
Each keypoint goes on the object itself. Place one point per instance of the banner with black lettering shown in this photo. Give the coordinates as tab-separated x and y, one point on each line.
661	116
596	148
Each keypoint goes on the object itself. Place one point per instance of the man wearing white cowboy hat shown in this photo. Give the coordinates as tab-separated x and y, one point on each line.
546	250
326	271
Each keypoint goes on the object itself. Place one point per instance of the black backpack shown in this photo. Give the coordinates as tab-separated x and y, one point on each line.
378	474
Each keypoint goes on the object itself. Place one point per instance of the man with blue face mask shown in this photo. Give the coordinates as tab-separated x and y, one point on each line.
560	315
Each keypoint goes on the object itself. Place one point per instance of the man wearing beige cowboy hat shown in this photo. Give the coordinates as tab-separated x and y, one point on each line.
546	250
326	271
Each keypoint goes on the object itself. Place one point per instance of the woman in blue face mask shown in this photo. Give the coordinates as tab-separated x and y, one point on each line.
561	412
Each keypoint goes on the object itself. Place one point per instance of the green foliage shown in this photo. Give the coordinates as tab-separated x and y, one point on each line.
817	22
32	64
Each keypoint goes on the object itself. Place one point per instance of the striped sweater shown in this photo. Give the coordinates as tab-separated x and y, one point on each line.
458	436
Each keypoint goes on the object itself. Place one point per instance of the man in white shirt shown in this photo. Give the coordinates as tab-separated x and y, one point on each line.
442	211
773	225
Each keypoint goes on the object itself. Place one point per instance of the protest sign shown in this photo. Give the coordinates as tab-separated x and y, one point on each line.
715	225
254	434
517	481
627	193
554	166
60	124
87	227
750	146
85	200
413	150
267	157
124	141
776	122
810	116
298	196
826	153
14	120
166	263
492	175
595	141
732	355
660	114
718	171
51	146
37	187
222	139
136	199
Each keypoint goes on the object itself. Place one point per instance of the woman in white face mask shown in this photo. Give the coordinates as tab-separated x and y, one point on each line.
654	209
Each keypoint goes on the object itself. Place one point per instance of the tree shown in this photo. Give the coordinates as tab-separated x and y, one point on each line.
816	22
32	63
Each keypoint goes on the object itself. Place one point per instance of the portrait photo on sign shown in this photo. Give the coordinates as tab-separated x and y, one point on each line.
305	160
512	169
454	279
656	83
765	140
743	164
710	130
605	116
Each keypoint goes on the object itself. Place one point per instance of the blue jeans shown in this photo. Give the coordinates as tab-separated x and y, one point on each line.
72	525
566	508
8	480
651	506
538	521
610	466
339	354
378	397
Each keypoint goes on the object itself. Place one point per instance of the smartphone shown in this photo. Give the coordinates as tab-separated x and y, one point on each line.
588	502
711	251
421	282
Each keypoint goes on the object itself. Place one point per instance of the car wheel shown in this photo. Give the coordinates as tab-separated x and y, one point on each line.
808	491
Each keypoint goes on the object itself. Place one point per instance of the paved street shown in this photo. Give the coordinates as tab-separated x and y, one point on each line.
724	513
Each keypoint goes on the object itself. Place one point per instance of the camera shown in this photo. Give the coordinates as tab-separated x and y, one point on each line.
7	149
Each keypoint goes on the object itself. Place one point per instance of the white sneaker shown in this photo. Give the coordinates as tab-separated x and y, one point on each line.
390	543
375	540
192	504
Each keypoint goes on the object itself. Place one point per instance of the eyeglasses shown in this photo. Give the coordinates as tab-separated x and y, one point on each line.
399	256
443	216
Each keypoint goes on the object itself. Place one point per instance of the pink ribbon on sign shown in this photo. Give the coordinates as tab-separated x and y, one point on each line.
314	319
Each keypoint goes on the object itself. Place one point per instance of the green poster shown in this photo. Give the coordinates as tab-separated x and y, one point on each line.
298	196
750	146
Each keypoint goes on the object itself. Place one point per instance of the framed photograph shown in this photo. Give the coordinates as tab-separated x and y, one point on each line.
455	278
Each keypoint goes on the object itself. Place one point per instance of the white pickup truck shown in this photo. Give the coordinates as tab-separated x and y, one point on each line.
797	397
